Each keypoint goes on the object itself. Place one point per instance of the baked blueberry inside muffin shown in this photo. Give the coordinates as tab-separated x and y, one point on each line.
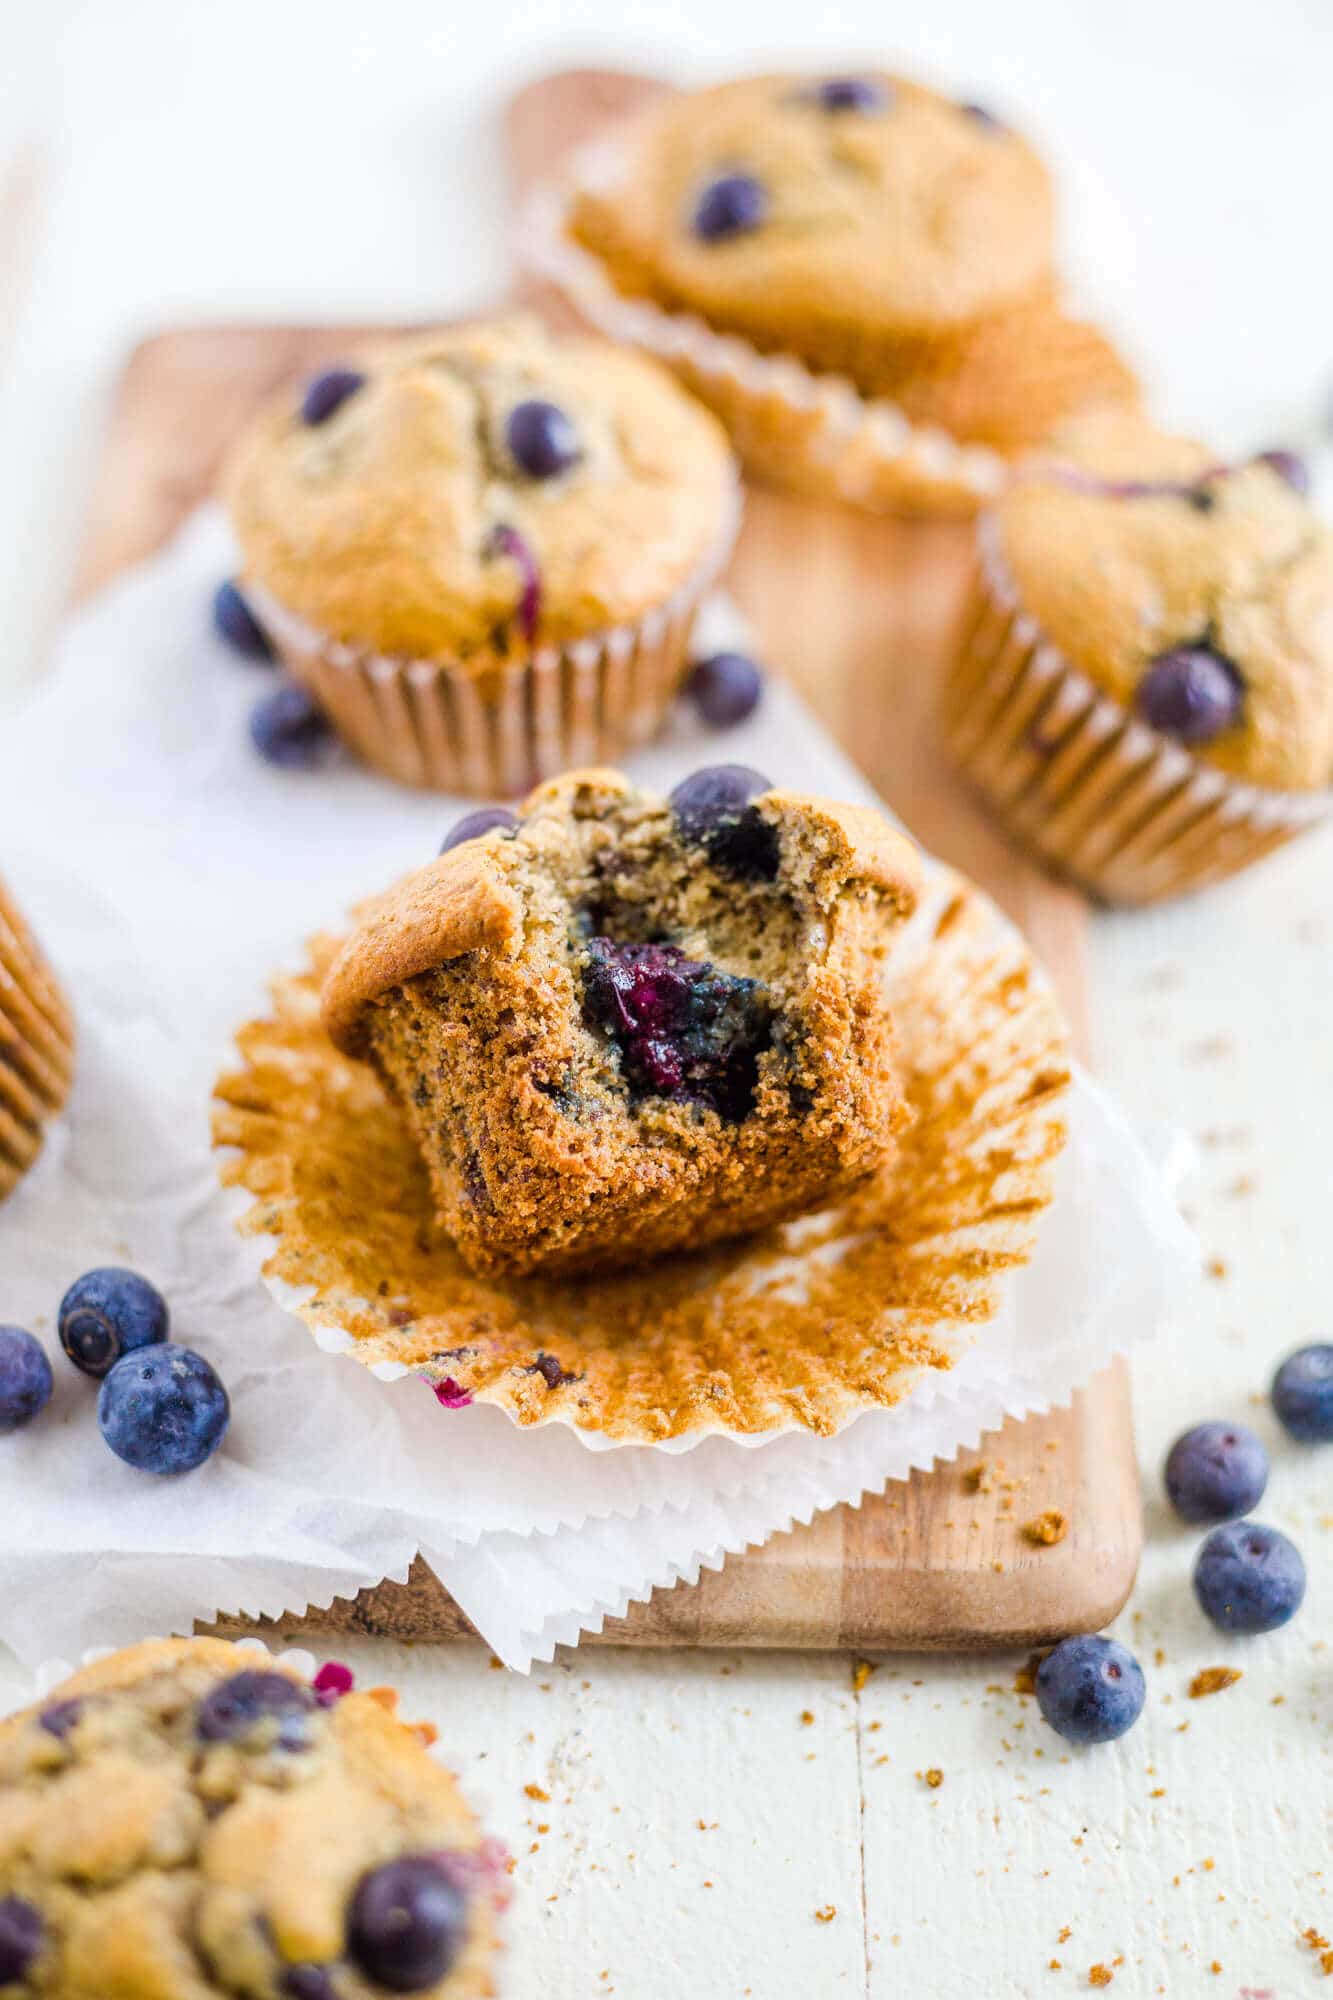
620	1023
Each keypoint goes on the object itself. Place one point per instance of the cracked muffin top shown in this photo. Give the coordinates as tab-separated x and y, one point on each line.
780	202
188	1819
469	493
1197	593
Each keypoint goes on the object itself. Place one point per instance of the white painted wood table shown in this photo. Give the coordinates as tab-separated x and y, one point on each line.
720	1826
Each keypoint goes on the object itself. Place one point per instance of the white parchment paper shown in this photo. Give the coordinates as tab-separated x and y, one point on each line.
169	872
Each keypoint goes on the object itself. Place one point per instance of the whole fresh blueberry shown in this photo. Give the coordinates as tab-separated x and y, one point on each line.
541	439
234	621
712	807
725	688
1303	1394
109	1312
1290	466
732	205
407	1924
21	1938
163	1409
328	392
474	824
1216	1472
26	1380
1191	693
851	93
1090	1689
308	1982
257	1706
1249	1578
290	729
979	115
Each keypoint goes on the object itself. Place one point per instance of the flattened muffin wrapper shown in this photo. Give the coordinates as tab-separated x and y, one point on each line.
439	725
805	429
802	1327
36	1046
1077	778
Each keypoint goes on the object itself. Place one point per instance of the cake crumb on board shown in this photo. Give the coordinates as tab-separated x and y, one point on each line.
1046	1529
1212	1680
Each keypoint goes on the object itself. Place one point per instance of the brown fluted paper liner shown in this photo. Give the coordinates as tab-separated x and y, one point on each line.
1130	816
808	431
36	1047
441	726
805	1325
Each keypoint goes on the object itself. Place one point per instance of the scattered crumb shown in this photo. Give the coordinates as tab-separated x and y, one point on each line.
1160	1793
1065	1933
536	1792
1100	1975
1216	1966
977	1478
1046	1529
998	1567
807	1717
1277	1701
1216	1267
934	1777
1159	1657
826	1913
1208	1865
1315	1939
1211	1680
1053	1964
496	1666
861	1672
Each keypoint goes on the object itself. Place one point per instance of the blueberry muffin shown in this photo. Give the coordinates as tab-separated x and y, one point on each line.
875	231
1146	686
483	549
36	1046
188	1819
619	1024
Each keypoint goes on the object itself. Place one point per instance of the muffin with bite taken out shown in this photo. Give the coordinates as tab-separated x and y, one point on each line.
620	1024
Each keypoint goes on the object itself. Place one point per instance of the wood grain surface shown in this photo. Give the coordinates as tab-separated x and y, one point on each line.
859	614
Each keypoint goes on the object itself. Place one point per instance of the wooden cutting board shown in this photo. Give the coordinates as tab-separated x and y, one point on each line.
858	613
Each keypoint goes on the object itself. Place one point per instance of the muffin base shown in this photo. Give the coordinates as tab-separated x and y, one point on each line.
800	1327
36	1047
1082	783
441	725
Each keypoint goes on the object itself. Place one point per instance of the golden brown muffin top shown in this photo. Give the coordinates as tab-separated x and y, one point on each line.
186	1819
466	901
403	522
905	213
1127	546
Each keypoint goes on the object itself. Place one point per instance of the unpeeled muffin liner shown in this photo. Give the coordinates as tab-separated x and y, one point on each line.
447	726
1074	776
36	1046
800	427
801	1327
